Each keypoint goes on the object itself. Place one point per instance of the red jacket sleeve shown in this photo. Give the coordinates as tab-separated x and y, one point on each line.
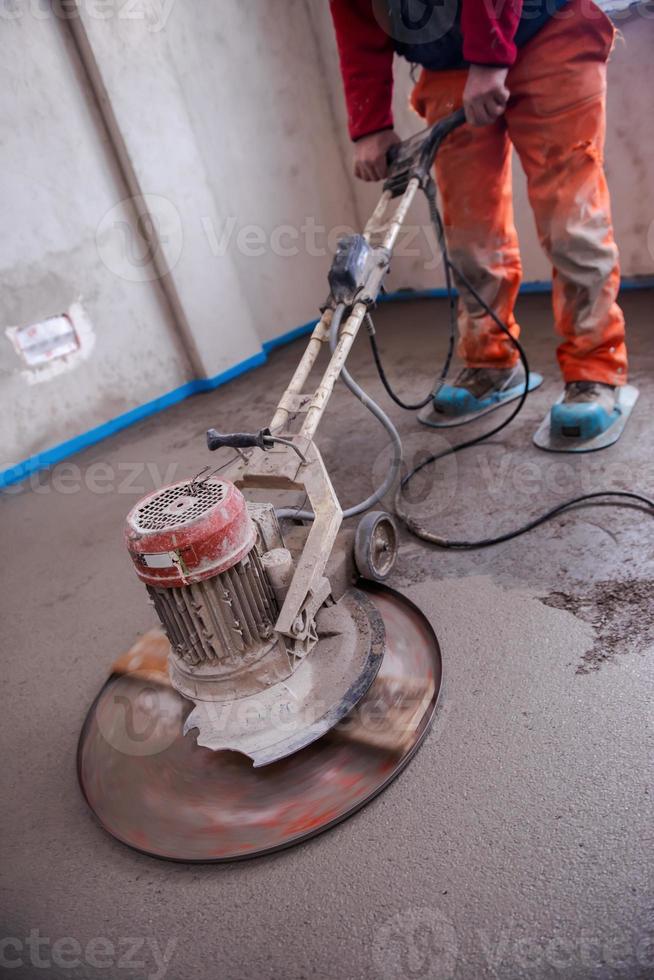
488	29
366	55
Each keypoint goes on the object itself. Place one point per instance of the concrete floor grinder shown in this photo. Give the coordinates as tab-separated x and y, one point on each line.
287	685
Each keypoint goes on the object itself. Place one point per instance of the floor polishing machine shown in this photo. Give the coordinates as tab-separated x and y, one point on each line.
286	685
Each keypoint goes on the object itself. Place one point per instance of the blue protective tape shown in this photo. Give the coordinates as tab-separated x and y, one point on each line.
49	457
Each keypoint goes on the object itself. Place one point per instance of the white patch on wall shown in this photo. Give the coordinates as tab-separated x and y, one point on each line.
53	346
40	343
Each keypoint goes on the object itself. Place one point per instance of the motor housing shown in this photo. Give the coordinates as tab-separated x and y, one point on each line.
202	559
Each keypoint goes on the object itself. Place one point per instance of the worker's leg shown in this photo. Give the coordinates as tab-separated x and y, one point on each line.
473	169
556	120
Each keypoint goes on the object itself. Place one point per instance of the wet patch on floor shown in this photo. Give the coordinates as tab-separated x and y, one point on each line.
619	612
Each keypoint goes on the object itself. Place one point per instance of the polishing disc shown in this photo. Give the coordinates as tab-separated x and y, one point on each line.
158	791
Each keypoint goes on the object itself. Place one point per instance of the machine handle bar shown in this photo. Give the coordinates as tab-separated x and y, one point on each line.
240	440
415	157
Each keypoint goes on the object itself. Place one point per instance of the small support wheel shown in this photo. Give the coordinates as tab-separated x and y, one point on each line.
375	545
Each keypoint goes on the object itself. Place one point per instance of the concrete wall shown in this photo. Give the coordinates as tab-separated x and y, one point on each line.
217	124
175	177
59	180
232	126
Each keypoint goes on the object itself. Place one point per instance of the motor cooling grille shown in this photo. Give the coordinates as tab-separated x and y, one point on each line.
179	505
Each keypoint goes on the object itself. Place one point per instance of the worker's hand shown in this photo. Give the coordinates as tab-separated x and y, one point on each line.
485	95
370	154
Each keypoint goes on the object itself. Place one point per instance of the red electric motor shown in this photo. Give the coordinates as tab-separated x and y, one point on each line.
194	545
189	532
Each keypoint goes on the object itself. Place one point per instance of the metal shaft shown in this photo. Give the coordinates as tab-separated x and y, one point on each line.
319	336
386	231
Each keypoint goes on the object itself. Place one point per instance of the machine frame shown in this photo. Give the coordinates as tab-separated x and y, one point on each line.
287	458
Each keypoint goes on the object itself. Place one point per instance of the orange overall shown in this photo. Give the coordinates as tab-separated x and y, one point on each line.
555	119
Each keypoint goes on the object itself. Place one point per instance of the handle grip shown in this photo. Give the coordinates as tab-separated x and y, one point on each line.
429	139
414	157
239	440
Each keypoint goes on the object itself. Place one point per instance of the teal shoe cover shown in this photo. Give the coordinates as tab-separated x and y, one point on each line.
582	420
454	401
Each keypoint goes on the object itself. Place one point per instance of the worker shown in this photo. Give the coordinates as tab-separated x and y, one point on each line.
530	76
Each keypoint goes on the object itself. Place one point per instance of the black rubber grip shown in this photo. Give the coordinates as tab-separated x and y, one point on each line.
239	440
392	154
453	121
420	149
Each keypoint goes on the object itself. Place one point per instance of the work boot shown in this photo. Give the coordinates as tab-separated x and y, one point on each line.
588	409
477	389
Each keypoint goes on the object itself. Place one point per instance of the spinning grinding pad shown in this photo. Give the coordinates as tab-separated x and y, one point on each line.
160	792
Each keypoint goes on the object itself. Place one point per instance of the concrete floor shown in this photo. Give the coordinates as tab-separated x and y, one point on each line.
519	841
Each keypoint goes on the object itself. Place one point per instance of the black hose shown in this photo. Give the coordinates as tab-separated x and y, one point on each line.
430	191
412	525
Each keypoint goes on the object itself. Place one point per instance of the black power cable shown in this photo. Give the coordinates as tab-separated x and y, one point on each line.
430	191
424	533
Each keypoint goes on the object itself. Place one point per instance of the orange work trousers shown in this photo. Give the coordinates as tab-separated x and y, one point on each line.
555	119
